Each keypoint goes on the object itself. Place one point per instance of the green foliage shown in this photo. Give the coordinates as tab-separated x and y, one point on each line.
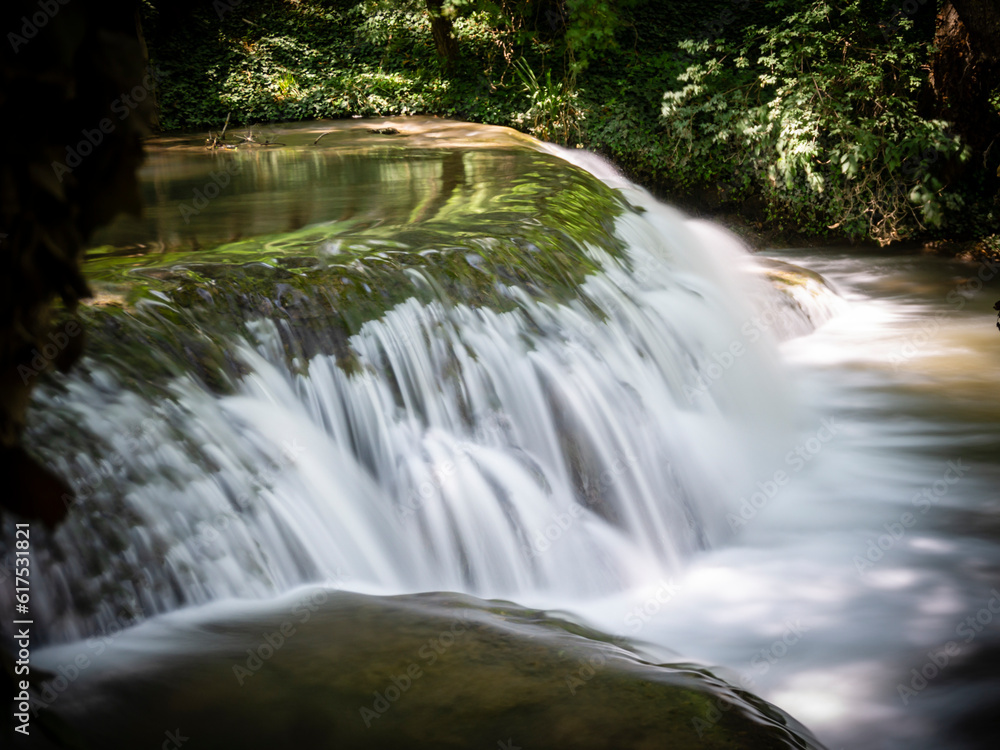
817	113
590	31
554	113
280	61
803	116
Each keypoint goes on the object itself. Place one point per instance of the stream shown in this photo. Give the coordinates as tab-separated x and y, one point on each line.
448	367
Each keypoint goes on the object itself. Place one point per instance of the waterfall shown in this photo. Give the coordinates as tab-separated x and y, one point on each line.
557	448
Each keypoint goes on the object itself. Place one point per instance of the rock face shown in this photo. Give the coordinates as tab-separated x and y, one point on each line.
75	101
326	669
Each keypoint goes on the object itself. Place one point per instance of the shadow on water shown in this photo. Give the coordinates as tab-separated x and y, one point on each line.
449	358
327	669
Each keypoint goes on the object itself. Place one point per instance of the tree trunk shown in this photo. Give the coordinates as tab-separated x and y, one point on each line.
965	71
154	111
441	29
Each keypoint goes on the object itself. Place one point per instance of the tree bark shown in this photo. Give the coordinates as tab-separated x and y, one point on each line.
442	31
154	110
965	70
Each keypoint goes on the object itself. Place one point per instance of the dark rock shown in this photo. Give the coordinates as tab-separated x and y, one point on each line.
324	669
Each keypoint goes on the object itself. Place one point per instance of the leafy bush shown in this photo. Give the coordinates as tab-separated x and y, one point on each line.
816	113
800	115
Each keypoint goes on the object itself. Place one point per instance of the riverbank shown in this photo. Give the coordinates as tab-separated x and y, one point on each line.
652	89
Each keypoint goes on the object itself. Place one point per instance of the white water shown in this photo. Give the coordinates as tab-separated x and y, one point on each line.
549	453
576	462
800	607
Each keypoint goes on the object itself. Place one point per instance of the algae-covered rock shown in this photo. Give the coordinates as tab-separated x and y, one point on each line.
323	669
327	239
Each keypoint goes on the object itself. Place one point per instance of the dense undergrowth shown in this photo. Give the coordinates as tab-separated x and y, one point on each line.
800	118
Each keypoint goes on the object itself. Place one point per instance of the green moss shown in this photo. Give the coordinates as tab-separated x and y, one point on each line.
459	673
461	225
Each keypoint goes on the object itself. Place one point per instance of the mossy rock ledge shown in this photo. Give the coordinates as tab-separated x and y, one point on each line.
329	669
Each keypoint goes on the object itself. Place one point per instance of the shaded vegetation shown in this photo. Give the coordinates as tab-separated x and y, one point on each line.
805	119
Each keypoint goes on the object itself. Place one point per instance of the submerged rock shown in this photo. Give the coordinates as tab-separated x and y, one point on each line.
325	669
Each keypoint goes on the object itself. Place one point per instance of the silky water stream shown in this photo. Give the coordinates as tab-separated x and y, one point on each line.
389	401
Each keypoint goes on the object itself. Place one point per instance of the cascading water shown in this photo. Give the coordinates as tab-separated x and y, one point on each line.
552	449
452	359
